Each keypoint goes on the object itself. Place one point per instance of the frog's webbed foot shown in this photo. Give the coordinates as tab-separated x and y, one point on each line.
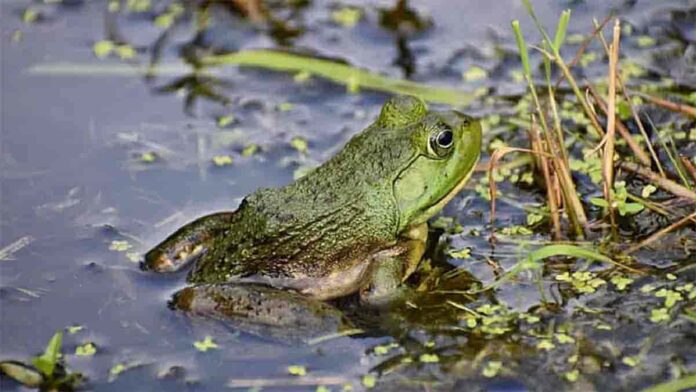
186	244
391	269
262	310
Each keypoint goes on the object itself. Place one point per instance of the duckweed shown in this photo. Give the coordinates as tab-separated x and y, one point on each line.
86	350
297	370
206	344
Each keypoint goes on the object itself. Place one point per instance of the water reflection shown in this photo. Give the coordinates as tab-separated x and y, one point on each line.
405	23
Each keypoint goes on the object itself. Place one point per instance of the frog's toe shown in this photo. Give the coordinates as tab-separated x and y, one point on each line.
187	244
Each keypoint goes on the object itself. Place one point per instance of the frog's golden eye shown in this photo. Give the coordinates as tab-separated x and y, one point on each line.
441	141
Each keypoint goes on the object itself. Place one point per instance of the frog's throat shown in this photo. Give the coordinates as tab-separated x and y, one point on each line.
440	204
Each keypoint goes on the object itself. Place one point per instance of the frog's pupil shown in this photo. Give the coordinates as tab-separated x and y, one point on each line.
444	139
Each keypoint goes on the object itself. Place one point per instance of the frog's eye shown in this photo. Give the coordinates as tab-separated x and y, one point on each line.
441	141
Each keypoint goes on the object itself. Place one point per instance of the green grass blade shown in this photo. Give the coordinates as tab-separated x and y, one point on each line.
567	250
533	261
536	20
681	384
522	47
561	30
522	265
574	251
340	73
547	65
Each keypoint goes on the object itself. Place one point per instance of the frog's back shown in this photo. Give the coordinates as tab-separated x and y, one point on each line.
326	221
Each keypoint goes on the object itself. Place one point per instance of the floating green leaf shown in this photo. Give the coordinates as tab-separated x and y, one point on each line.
286	106
659	315
461	253
492	368
73	329
222	160
582	281
30	15
621	282
224	121
297	370
347	17
534	218
630	361
116	370
148	157
369	381
515	230
114	6
671	297
385	348
572	375
250	150
429	358
86	350
563	338
134	257
138	5
120	246
645	41
164	21
299	144
545	344
648	190
103	48
206	344
125	52
474	73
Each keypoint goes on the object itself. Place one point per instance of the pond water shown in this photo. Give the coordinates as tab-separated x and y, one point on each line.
99	162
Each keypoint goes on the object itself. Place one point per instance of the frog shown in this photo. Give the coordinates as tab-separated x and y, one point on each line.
355	225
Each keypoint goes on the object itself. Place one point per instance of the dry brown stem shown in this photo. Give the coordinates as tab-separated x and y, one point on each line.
664	183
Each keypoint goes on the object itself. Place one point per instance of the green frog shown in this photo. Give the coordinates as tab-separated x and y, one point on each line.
356	224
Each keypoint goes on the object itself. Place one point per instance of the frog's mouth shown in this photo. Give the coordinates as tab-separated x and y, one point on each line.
440	204
414	199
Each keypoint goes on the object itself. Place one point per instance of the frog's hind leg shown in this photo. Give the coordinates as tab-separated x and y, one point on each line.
186	244
262	310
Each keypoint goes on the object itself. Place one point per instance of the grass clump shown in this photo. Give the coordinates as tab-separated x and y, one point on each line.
604	107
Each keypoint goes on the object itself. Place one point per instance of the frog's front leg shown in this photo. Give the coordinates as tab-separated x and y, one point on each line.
187	243
393	266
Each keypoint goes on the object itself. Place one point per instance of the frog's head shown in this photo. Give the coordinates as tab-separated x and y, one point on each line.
443	149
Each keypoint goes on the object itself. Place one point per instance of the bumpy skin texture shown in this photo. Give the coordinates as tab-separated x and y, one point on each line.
343	209
328	228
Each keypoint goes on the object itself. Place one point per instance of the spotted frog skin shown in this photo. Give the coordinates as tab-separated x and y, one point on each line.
356	224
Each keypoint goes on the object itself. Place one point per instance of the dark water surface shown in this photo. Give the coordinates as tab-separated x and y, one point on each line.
73	182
